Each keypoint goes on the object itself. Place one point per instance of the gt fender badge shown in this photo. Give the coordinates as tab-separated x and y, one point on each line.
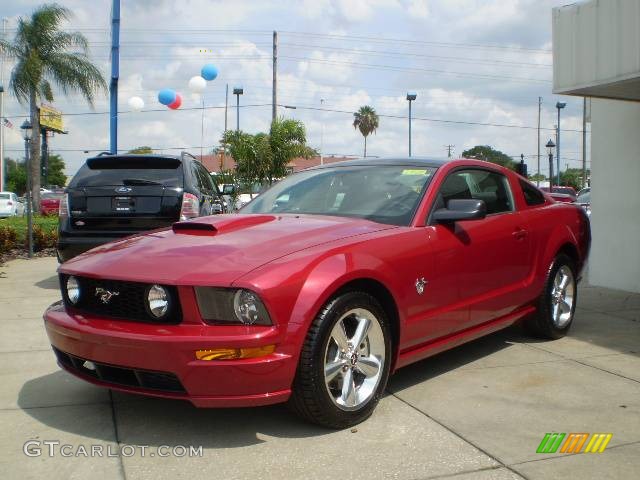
420	284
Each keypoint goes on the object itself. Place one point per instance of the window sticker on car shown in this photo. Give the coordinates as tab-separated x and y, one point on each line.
415	172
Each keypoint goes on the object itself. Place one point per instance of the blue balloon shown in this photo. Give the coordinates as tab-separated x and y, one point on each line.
209	71
166	96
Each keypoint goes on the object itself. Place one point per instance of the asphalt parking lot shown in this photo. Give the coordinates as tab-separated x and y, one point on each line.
478	411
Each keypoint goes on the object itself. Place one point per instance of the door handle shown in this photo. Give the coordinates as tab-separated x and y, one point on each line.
520	234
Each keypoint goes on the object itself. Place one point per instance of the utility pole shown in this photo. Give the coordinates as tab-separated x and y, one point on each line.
584	142
4	23
538	173
226	105
274	98
449	148
115	74
321	133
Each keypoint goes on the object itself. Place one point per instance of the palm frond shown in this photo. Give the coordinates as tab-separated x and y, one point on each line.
73	71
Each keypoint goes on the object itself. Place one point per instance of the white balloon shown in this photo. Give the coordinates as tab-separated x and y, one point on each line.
197	84
136	104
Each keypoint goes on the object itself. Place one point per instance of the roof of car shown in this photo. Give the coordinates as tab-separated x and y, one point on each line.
142	155
412	161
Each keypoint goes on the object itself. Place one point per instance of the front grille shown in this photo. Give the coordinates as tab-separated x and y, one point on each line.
128	301
115	375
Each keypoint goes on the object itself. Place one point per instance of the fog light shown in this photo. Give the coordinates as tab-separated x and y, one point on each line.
73	290
89	365
158	301
234	353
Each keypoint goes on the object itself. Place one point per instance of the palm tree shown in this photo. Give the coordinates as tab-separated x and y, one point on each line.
366	120
45	54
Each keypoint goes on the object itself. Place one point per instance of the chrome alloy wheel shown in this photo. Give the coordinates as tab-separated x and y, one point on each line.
354	359
563	296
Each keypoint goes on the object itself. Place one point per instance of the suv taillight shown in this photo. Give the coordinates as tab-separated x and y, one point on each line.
63	208
190	206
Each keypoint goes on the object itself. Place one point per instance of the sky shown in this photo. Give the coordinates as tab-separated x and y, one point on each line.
477	66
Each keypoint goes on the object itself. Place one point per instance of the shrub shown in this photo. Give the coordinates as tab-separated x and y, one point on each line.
8	238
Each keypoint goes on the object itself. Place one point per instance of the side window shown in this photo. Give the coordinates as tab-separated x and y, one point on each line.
206	179
532	196
491	187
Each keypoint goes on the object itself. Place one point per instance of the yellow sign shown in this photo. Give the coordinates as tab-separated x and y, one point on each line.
51	118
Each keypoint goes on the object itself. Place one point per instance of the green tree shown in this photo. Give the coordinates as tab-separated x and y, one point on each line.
16	179
488	154
572	177
263	158
141	150
537	177
55	171
45	54
366	120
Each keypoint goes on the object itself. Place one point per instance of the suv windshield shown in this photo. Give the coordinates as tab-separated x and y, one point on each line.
584	197
385	194
110	171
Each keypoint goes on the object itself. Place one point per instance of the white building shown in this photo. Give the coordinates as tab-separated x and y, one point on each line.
596	53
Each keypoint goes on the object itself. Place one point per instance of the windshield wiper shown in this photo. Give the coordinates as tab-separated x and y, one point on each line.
139	181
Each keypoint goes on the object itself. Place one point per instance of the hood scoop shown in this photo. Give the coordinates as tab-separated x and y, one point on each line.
209	226
194	228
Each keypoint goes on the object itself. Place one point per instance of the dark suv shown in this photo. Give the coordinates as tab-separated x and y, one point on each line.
113	196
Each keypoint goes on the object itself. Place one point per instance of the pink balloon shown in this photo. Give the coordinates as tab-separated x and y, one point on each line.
176	103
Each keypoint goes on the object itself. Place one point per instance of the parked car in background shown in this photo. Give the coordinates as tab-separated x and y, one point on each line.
564	190
562	197
322	286
10	206
584	199
50	202
114	196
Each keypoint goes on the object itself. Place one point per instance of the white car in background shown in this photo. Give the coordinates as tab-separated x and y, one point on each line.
9	205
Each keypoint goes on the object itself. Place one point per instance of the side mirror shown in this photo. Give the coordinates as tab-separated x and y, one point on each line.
461	209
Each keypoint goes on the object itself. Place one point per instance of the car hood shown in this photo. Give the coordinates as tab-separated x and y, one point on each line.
213	250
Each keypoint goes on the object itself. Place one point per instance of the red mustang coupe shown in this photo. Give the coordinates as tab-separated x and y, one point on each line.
322	286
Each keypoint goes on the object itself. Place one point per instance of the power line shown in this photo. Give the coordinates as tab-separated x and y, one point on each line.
419	70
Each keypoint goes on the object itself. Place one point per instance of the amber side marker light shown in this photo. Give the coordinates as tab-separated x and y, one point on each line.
234	353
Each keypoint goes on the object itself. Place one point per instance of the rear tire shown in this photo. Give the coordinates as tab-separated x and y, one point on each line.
557	304
344	363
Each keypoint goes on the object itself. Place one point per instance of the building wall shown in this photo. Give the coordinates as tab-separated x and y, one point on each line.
615	195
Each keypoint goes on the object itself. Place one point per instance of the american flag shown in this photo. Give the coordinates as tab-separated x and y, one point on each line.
7	123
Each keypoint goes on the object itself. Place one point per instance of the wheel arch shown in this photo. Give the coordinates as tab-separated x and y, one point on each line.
383	294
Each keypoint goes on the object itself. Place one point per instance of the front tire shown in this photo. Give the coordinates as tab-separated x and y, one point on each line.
557	304
344	363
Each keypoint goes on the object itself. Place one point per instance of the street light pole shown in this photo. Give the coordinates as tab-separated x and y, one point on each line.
550	146
559	106
411	96
237	91
27	131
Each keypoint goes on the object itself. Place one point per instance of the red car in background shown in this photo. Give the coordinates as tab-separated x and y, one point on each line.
50	202
322	286
562	193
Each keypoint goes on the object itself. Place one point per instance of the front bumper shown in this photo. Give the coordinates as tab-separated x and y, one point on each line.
170	350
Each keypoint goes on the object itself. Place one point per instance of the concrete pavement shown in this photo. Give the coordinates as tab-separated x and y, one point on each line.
478	411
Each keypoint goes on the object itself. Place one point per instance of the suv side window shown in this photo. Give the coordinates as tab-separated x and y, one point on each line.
532	196
205	183
479	184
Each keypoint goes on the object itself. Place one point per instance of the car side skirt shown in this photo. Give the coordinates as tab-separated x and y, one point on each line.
441	344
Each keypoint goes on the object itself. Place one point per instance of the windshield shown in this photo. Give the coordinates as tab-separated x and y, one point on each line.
385	194
5	196
584	197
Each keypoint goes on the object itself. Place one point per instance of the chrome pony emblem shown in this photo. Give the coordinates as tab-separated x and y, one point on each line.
105	295
420	284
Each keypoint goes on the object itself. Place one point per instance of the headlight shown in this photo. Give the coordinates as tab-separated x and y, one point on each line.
157	301
73	290
228	305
